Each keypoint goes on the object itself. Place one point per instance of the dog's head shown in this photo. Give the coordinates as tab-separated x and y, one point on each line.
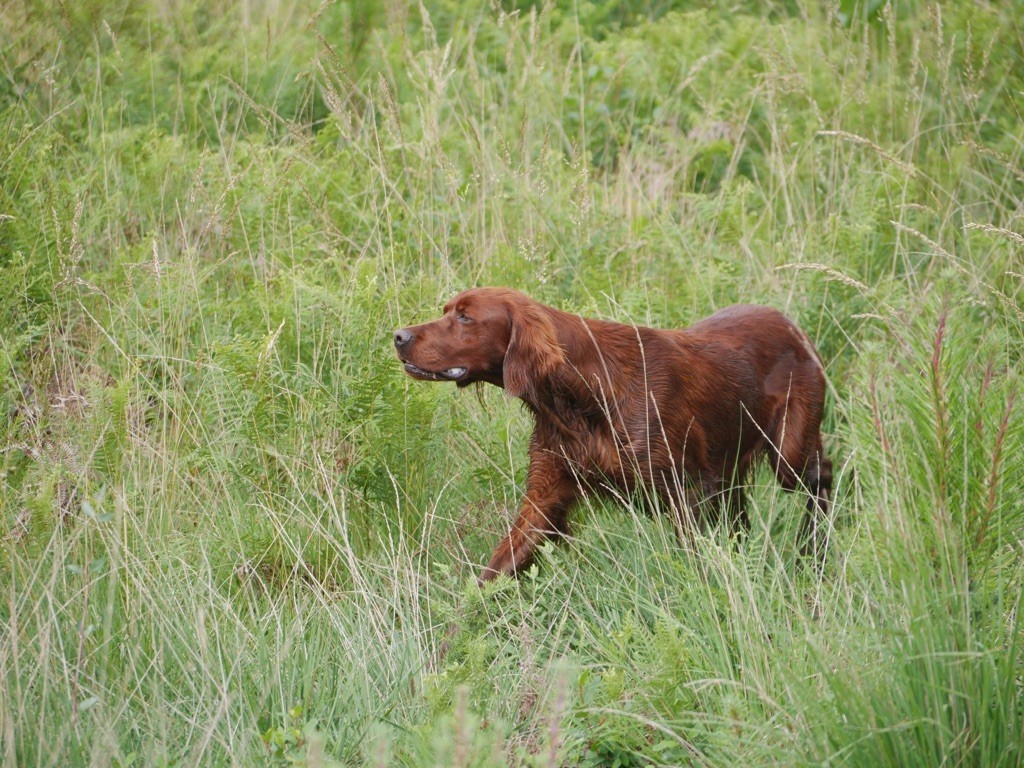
485	334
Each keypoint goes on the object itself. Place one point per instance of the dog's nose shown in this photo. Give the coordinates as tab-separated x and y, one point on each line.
402	338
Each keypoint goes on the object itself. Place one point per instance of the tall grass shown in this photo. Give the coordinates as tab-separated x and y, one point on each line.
233	533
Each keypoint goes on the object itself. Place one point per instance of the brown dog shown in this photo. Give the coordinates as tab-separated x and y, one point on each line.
682	413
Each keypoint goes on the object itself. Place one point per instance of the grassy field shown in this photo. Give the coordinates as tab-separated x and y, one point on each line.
233	533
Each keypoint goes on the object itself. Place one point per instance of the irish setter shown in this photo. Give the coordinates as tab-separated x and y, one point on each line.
682	413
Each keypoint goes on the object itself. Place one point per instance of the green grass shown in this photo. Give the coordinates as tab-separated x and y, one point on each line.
233	533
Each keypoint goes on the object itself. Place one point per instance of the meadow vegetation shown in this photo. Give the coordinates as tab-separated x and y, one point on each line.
233	533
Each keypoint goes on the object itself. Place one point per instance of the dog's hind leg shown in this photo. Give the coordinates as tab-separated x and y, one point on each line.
800	464
817	479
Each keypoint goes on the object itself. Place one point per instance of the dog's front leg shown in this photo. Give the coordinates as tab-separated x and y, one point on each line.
551	490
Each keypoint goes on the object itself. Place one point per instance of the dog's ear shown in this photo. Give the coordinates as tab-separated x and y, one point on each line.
533	352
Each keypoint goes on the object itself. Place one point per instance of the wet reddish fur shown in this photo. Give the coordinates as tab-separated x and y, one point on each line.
683	413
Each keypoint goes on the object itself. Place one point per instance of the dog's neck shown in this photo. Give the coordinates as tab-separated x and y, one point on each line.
580	394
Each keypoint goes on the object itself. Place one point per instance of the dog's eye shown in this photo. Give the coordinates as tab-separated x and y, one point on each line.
463	318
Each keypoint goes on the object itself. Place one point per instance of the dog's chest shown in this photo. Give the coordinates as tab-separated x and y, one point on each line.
595	449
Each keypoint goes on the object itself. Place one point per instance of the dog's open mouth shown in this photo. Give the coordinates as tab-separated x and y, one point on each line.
449	374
